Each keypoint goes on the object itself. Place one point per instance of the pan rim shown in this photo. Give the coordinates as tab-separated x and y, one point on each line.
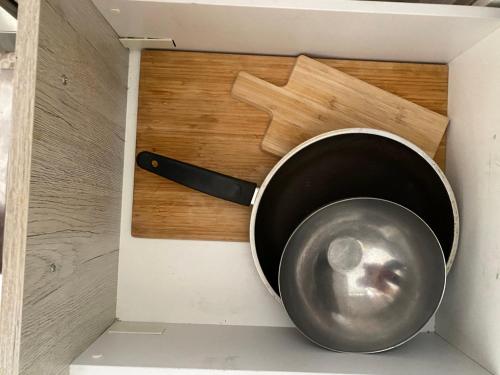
381	133
412	335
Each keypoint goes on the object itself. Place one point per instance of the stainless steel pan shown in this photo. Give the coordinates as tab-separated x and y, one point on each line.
330	167
362	275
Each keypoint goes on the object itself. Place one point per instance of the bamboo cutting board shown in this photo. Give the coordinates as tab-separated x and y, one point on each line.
319	98
186	112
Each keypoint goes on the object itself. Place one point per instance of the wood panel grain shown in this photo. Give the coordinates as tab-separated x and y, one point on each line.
67	267
186	112
17	193
318	98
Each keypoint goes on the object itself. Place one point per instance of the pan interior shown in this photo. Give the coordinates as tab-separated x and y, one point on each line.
362	275
347	166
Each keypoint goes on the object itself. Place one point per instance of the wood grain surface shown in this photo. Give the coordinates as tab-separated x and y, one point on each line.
64	188
186	112
17	192
318	98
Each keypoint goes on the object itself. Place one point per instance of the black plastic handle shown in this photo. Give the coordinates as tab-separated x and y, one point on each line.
201	179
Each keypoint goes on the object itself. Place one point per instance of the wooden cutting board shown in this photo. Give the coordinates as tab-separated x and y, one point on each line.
319	98
186	112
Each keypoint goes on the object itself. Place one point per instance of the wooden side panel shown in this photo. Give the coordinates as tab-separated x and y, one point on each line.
66	258
16	210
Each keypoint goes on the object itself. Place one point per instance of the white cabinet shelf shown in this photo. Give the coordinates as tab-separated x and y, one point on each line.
216	349
62	282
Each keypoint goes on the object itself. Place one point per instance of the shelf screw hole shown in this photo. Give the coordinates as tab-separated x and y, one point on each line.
64	79
52	268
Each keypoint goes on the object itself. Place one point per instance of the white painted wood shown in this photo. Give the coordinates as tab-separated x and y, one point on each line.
213	349
143	43
344	29
8	24
6	77
146	328
7	61
193	281
469	315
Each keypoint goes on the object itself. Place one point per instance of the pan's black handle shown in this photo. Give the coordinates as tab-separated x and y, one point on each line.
204	180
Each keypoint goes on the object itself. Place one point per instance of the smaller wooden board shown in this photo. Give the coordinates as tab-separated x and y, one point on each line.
319	98
186	112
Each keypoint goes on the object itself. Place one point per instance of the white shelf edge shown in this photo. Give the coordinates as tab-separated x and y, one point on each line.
369	30
218	349
354	6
